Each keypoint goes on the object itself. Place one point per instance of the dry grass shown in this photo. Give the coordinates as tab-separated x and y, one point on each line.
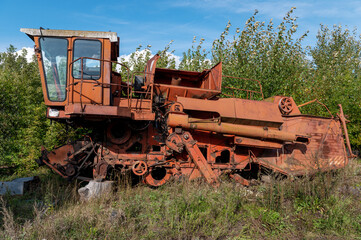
326	206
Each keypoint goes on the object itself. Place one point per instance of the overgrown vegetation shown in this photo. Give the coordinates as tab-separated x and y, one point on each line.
322	206
23	125
274	55
319	207
329	71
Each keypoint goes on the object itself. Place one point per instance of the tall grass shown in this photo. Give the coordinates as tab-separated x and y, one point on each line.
321	206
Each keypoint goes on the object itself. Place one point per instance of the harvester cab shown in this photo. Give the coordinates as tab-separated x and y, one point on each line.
75	67
77	77
165	123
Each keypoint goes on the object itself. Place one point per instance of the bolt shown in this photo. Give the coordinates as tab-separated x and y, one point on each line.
186	136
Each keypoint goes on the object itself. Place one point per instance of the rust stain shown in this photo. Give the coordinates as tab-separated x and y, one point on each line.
163	123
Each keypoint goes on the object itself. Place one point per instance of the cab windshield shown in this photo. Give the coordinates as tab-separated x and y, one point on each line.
54	57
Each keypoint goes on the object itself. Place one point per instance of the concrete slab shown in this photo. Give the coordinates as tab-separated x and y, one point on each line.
95	190
17	186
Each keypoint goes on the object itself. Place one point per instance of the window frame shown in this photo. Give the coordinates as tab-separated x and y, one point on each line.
73	58
66	71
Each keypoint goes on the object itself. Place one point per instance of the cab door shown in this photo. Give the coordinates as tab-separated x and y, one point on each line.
86	79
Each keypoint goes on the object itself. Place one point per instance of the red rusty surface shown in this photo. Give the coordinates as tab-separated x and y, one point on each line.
168	124
325	151
184	121
238	111
179	141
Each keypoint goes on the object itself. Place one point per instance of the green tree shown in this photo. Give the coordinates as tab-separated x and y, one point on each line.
336	74
137	60
196	58
21	112
24	127
267	53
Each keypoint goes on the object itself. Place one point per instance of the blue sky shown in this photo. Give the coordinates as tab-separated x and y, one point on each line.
158	22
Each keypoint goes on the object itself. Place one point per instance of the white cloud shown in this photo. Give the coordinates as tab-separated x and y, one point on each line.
141	54
123	58
137	54
176	58
29	53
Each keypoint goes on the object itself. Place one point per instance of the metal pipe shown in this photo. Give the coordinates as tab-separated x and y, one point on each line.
184	121
343	121
316	100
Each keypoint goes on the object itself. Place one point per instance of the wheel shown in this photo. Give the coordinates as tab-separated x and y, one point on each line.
118	132
139	168
285	105
176	107
157	177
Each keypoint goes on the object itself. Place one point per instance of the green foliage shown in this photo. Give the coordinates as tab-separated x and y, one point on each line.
137	60
23	124
22	115
195	59
272	54
326	205
166	59
336	74
264	52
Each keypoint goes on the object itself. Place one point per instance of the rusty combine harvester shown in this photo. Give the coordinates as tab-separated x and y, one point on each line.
166	124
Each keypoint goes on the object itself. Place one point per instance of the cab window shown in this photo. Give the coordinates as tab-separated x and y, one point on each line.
54	59
90	50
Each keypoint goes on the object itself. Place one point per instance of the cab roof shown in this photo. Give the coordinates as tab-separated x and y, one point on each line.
32	32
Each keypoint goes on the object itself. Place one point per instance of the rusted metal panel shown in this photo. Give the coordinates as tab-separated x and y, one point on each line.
106	73
184	139
249	142
172	83
172	123
143	115
136	104
171	92
181	120
89	109
242	111
325	151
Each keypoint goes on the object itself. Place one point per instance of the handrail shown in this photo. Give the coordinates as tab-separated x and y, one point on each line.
150	86
82	80
316	100
249	92
129	81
